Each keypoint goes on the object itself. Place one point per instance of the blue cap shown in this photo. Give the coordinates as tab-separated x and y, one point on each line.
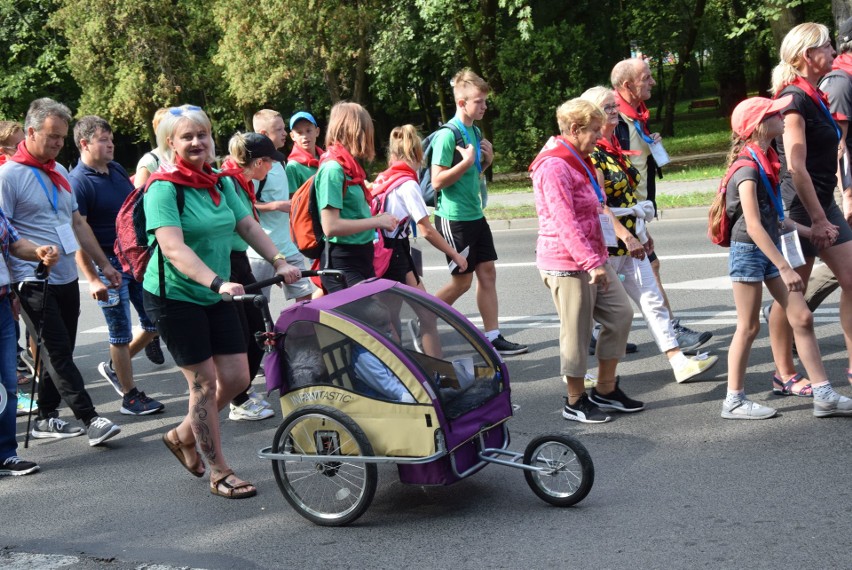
302	115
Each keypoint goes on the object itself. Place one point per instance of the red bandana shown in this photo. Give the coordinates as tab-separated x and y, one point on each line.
24	157
351	168
769	161
560	151
395	176
185	174
843	62
235	171
815	94
613	148
300	155
640	113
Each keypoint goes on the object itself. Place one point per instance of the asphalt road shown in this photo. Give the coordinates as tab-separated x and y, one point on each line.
676	486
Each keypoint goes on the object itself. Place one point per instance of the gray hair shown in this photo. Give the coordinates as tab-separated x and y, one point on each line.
624	70
597	95
168	125
87	127
41	109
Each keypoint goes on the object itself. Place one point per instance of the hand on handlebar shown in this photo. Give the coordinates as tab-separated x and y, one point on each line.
231	288
289	273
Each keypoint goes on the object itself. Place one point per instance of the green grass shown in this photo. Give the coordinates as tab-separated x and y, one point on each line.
698	135
695	173
685	200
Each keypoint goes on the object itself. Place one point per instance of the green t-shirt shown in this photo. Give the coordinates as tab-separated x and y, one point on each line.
297	174
459	202
207	230
329	186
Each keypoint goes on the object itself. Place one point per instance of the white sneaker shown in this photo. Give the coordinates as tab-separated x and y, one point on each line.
258	398
840	406
249	411
694	366
745	409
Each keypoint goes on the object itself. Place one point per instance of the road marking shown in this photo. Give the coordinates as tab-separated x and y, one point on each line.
532	263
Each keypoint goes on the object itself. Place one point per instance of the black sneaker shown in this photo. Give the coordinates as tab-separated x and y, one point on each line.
506	347
584	411
616	400
54	428
687	339
100	430
16	466
138	404
154	352
629	349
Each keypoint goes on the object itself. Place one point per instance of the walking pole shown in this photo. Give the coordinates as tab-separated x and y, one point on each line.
42	272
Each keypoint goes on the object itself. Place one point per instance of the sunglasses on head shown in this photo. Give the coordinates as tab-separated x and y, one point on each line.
178	111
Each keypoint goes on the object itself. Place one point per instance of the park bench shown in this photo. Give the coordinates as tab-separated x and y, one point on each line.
703	104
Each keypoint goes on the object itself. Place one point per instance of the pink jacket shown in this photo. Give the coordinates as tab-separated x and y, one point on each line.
569	231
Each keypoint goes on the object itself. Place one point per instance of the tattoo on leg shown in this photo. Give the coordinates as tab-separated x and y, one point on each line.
200	420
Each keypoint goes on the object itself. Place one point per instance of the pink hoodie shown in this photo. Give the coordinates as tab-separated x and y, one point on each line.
569	231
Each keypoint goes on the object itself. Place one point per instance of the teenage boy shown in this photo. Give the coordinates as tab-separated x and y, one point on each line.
304	158
458	216
100	185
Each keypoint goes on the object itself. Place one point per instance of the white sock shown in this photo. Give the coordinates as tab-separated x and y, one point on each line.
678	360
492	335
735	396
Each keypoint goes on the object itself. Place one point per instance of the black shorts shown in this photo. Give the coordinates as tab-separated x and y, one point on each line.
355	261
834	215
401	262
182	326
475	234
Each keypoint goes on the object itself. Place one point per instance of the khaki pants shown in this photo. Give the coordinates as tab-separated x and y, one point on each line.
577	304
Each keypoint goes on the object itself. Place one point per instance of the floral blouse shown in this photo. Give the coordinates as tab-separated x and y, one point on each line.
620	187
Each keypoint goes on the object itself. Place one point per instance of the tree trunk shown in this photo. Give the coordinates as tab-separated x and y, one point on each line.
842	11
730	61
764	71
683	59
790	17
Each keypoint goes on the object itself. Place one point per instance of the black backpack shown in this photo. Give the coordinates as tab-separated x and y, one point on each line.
425	172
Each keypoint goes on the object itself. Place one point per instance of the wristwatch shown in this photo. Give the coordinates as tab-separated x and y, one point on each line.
278	256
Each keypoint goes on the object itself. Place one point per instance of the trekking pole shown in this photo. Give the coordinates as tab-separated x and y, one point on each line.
42	272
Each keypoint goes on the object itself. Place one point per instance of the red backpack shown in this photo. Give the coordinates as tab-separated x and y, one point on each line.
719	224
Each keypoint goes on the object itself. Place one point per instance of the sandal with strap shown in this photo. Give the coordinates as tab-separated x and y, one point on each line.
782	388
849	375
177	449
231	490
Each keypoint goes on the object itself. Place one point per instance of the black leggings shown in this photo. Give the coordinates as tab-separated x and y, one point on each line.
251	318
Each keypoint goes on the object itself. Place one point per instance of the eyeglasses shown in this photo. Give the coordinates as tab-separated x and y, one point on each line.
610	108
178	111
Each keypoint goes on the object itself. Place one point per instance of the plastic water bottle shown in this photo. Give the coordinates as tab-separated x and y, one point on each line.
114	295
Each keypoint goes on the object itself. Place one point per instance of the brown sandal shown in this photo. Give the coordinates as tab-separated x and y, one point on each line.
177	450
232	491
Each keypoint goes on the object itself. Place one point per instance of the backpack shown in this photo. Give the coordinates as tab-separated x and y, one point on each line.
382	253
425	173
719	224
305	225
131	239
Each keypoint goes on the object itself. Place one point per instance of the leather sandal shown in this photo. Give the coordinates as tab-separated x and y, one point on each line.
782	388
177	449
231	491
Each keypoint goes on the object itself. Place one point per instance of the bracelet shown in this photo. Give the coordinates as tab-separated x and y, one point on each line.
216	284
278	256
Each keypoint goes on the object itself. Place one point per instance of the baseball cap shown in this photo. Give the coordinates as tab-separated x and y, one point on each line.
844	34
749	113
261	146
302	115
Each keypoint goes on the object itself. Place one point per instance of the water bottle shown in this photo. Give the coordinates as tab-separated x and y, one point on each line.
114	295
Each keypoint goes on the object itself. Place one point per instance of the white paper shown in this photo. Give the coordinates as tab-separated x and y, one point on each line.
464	371
791	247
608	229
661	157
67	238
452	266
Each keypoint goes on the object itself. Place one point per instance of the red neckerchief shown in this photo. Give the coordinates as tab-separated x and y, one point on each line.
3	159
302	156
397	174
640	113
351	168
815	94
553	148
185	174
769	161
613	148
23	156
843	62
235	171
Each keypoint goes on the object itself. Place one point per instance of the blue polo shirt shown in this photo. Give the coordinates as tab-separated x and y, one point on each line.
99	198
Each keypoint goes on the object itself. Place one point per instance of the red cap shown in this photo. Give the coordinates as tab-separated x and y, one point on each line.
749	113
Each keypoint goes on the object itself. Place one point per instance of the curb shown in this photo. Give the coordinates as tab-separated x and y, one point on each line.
672	214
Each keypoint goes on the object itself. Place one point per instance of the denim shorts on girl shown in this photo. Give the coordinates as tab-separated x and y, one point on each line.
747	264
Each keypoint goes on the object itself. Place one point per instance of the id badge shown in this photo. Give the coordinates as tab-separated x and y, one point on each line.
67	238
661	157
609	237
791	247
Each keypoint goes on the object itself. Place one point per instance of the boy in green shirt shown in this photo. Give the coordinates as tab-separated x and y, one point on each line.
458	216
304	158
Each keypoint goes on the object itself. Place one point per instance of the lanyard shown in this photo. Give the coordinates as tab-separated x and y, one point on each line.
55	201
463	130
774	193
825	110
641	130
592	177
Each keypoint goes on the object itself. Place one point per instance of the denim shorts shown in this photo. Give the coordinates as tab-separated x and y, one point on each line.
118	315
747	264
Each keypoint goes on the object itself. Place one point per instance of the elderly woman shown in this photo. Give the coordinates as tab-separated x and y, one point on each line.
628	258
809	165
572	257
183	285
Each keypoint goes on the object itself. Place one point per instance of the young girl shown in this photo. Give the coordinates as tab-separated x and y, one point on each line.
757	214
345	215
405	203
